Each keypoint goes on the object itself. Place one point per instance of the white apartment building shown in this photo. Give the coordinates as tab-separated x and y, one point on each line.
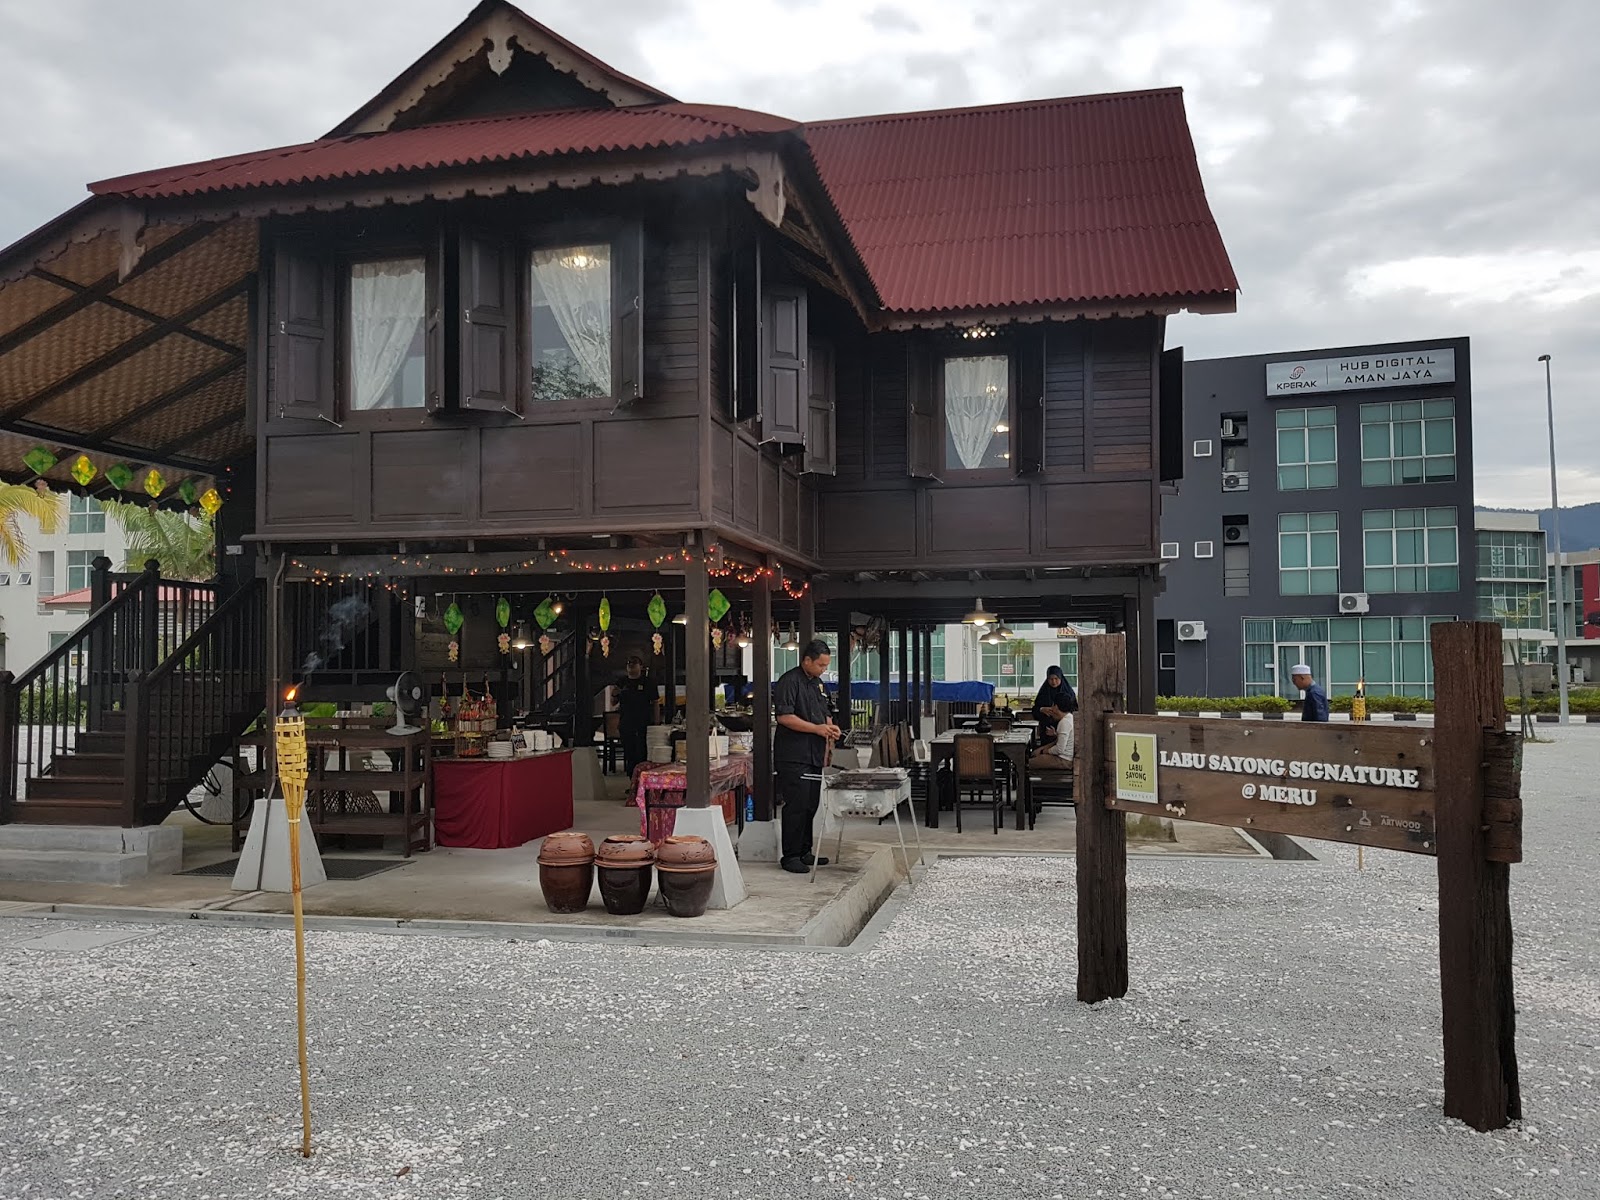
44	598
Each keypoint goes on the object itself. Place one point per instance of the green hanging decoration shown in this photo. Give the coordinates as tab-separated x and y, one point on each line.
453	620
39	460
545	614
657	610
83	471
717	605
605	614
188	492
502	612
120	476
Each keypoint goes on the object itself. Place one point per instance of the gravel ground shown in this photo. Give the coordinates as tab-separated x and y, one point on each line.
1281	1038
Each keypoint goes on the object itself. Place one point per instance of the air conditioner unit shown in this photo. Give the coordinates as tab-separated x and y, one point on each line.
1238	481
1202	449
1230	429
1171	550
1191	631
1236	535
1353	602
1204	549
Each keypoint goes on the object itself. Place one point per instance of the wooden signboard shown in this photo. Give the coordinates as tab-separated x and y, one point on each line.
1365	784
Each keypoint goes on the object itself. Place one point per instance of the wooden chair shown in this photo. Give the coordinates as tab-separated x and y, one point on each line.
975	775
611	746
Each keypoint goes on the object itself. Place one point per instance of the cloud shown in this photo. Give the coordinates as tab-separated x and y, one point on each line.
1381	171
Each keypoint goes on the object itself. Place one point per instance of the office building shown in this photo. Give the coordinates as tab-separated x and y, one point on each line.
1323	515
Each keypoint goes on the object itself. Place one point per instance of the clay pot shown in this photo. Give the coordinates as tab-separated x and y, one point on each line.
687	869
566	871
625	864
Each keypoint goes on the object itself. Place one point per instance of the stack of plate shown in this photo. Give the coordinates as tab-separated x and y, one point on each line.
658	743
499	750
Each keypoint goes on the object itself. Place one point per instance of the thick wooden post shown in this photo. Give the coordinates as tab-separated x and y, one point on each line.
911	689
1102	859
761	700
1480	1055
882	717
902	710
808	617
697	684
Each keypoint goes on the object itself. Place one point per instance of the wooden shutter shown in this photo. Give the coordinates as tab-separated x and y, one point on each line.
1170	411
784	389
627	300
434	331
488	352
924	429
1027	443
820	456
302	329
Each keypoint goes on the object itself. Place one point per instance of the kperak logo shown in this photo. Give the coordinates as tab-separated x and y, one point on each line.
1297	372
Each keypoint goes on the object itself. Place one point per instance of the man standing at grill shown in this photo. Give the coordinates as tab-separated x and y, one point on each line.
799	748
1315	707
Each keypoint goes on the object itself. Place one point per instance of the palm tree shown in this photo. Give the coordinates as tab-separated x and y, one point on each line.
23	500
185	546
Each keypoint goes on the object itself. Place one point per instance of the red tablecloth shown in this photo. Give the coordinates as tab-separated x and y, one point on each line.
659	791
494	805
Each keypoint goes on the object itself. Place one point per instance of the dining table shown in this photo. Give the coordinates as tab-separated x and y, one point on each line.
660	789
1015	744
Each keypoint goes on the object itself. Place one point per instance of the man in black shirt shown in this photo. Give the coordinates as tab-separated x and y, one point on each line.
636	702
799	748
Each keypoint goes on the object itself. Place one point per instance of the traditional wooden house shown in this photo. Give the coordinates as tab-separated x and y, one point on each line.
525	326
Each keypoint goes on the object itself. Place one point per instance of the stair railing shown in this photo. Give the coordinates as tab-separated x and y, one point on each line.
178	710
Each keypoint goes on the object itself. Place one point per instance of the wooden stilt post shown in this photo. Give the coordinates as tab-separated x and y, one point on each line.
841	666
761	701
1102	851
1480	1058
697	683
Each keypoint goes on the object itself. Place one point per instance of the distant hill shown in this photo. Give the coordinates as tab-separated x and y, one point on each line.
1580	524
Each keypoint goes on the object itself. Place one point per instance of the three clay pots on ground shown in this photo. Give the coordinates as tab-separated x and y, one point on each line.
686	866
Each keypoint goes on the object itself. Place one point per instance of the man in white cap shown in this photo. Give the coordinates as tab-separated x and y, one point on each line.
1315	707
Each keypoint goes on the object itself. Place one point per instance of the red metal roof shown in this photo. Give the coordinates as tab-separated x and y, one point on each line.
454	144
1075	201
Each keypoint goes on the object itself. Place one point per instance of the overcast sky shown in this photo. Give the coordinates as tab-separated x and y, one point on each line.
1381	169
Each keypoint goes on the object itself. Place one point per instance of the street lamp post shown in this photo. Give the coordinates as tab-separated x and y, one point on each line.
1555	537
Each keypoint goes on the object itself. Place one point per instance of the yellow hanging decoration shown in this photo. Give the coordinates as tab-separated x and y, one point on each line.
154	484
290	737
83	470
210	501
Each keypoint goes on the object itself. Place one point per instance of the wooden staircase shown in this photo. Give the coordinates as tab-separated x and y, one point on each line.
117	725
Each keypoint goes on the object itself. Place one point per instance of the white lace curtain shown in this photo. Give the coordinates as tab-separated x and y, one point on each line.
575	281
975	401
387	301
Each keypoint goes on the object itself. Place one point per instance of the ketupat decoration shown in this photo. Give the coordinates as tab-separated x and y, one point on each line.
453	620
502	612
657	611
545	614
209	501
605	614
717	605
154	485
83	471
120	476
188	493
39	460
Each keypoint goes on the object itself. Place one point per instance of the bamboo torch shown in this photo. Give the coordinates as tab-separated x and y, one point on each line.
291	747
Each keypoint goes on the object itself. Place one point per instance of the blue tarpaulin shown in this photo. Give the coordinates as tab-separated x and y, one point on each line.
958	692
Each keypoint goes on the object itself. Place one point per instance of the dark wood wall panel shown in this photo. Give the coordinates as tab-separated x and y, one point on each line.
1098	521
851	411
887	398
311	480
987	521
672	321
879	524
746	484
420	473
723	440
1122	399
533	470
645	464
771	518
1064	397
789	508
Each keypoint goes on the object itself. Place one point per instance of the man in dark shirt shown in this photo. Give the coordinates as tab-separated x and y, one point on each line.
799	748
1315	707
636	703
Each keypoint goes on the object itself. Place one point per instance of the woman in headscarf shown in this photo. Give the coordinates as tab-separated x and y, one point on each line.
1055	700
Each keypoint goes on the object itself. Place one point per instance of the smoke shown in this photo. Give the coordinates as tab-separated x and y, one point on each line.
344	618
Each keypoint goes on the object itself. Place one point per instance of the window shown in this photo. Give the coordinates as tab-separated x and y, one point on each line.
80	567
57	639
1203	549
84	515
388	347
1391	655
1308	554
1171	550
1515	605
1408	441
1308	455
1009	666
1410	550
570	330
977	413
47	574
1235	570
1511	554
1202	449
